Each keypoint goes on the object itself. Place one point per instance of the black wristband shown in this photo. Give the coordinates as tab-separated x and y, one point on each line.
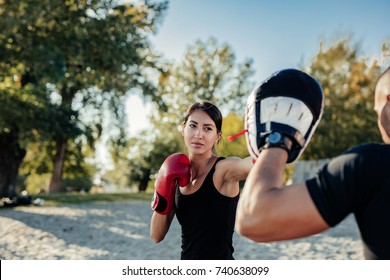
278	140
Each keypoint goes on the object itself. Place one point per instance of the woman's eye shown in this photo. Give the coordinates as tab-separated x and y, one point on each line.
192	125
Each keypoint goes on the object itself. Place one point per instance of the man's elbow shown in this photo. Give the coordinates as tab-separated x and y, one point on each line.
253	231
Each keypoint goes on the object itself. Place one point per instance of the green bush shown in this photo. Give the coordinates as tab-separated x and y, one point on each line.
76	184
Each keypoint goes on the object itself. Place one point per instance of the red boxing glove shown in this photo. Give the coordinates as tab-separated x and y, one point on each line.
174	171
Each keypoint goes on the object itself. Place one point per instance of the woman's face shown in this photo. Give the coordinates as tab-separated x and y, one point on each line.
200	133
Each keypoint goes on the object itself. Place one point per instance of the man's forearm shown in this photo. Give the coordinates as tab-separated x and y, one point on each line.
256	202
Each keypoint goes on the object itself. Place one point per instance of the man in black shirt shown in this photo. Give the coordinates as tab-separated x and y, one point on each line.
357	181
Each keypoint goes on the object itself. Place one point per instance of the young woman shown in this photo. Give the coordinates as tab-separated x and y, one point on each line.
206	206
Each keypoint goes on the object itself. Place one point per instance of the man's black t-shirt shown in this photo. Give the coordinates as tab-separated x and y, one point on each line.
358	182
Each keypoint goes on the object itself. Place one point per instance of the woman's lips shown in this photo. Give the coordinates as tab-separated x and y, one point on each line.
197	144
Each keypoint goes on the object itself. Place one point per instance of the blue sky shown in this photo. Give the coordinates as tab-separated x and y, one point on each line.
276	34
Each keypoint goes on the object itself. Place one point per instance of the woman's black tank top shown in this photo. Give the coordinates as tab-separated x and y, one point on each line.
207	221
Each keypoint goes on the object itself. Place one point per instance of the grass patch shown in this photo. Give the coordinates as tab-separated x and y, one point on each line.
80	198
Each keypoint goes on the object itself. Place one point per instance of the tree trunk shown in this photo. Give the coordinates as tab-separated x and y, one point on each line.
143	184
58	166
11	156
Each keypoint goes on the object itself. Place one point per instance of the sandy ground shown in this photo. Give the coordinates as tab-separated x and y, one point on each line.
120	231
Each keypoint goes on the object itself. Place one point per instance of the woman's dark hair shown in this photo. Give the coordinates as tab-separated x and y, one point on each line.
211	110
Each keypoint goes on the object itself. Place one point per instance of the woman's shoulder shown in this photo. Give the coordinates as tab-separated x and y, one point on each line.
234	167
232	160
223	165
223	162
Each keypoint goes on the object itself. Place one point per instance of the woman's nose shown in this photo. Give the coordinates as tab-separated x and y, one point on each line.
198	133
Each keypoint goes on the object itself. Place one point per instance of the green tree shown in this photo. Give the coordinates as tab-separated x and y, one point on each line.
349	83
231	125
26	116
36	167
146	157
82	54
208	71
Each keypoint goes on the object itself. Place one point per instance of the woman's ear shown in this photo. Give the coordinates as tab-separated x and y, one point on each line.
219	136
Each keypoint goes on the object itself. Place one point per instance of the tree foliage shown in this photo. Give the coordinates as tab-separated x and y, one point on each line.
231	125
75	55
349	84
208	71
